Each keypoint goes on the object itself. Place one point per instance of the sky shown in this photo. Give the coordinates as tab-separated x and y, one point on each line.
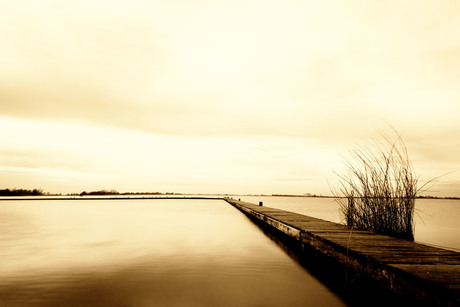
228	96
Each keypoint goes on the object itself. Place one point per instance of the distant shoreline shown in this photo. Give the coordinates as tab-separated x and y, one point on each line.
130	196
102	198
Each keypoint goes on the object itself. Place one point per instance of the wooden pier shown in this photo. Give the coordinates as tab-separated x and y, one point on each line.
420	273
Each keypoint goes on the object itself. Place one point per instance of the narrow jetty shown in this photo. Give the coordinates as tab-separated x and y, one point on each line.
418	272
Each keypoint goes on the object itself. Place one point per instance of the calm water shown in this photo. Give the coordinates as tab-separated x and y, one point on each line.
145	253
437	221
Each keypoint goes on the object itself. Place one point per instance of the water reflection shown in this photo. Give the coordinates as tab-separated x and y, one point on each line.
145	253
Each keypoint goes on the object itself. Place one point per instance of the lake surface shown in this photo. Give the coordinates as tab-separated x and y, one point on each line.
437	221
145	253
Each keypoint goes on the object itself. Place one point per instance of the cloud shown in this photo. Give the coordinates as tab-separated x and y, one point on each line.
330	73
184	65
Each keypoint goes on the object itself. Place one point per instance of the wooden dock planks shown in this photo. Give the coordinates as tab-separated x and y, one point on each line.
420	272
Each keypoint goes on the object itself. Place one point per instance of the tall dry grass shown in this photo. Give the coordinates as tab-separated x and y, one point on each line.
379	189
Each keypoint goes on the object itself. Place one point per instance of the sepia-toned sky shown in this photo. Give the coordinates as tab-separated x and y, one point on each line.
225	96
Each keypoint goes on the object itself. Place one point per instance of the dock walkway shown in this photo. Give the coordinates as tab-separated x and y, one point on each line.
416	271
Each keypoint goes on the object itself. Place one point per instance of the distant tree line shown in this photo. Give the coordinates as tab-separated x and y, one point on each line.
100	192
298	195
21	192
146	193
114	192
437	197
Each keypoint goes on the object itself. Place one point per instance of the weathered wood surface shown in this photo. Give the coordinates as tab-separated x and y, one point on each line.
420	272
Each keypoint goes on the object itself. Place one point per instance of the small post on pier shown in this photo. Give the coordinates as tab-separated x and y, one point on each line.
260	203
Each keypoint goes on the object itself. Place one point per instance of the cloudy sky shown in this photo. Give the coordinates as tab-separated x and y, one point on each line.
223	96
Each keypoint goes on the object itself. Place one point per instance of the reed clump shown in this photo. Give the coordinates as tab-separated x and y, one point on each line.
379	190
